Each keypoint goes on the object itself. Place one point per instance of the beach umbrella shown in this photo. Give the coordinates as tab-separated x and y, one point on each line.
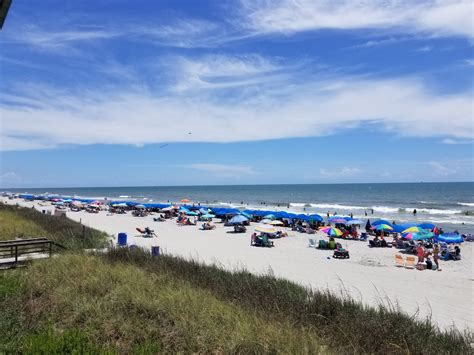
167	209
417	236
336	219
315	217
382	227
140	207
269	216
368	225
450	238
381	221
354	222
246	215
185	200
238	219
204	210
333	232
208	215
429	226
265	221
302	216
266	229
191	213
276	223
413	230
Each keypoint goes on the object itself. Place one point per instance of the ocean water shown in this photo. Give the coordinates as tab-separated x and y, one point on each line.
450	205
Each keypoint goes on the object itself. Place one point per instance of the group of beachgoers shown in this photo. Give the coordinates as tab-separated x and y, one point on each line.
344	227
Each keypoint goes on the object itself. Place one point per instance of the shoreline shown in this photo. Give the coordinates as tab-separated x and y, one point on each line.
369	276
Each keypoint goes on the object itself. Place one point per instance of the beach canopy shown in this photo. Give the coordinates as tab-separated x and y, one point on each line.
333	232
450	238
263	228
302	216
140	207
238	219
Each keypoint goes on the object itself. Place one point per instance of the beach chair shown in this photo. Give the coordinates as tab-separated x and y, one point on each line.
399	261
410	262
311	243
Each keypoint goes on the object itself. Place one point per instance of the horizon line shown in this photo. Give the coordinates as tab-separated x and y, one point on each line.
229	185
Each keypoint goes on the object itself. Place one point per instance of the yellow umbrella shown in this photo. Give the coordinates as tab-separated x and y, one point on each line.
266	229
412	230
276	223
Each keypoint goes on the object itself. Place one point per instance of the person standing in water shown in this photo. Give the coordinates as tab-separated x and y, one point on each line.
414	212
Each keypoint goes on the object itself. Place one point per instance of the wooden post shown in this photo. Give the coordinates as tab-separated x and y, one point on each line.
50	248
16	254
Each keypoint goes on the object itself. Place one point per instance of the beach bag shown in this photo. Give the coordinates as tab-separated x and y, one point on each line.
429	264
323	244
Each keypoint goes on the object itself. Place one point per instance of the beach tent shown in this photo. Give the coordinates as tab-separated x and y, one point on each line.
269	216
450	238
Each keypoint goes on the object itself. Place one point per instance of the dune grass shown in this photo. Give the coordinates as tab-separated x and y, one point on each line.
130	302
88	302
344	324
27	223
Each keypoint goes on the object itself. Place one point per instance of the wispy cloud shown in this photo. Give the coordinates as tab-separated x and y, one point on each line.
425	49
433	18
458	141
42	117
343	172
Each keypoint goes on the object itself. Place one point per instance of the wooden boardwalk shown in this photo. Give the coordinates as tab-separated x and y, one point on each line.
17	252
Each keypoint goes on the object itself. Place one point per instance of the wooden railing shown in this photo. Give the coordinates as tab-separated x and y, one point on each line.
12	251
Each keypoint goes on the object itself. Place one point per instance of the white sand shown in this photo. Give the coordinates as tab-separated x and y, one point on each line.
369	275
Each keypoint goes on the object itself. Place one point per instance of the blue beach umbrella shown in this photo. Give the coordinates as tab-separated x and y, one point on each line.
450	238
315	217
354	222
429	226
191	213
238	219
269	216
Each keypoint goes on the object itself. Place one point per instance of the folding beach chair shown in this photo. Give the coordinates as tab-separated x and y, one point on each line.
311	243
399	261
410	262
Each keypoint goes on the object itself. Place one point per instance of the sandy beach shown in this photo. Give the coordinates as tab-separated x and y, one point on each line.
369	275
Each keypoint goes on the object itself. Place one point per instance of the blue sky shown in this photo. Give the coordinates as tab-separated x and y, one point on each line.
101	93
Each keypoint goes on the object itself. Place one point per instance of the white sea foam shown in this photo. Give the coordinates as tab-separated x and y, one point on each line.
470	204
330	206
438	211
385	209
124	196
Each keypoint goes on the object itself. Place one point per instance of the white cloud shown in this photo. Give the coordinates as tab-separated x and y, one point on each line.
223	170
441	169
42	117
343	172
425	49
220	71
9	178
458	141
430	17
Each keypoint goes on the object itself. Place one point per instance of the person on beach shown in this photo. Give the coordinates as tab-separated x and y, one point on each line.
414	212
436	251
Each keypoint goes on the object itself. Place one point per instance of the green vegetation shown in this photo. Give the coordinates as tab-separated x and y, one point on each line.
29	223
128	301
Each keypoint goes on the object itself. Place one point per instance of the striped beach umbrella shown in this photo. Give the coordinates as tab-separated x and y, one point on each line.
413	230
266	229
382	227
332	232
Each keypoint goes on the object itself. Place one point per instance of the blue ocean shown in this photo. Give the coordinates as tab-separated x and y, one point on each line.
450	205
